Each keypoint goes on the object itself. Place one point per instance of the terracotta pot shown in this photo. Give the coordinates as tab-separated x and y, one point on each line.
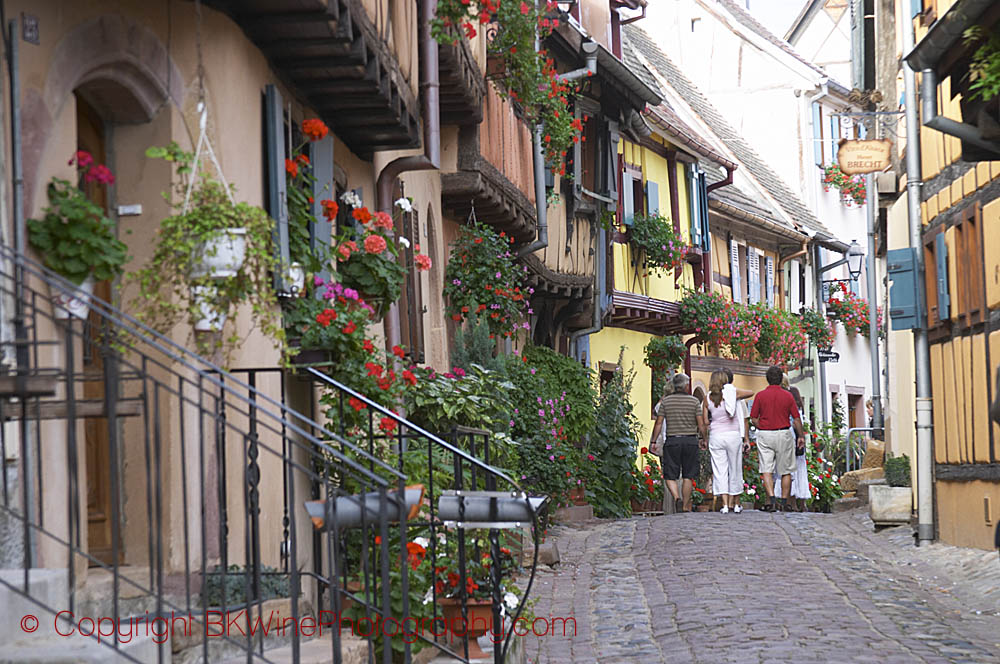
479	620
577	495
704	507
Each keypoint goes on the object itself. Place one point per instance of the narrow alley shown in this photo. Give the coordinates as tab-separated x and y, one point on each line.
760	587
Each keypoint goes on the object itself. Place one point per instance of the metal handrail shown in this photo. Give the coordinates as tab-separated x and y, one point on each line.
850	432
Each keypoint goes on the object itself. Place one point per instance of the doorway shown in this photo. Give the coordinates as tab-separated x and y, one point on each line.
91	137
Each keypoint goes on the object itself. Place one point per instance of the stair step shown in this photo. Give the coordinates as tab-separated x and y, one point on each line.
315	651
77	649
34	386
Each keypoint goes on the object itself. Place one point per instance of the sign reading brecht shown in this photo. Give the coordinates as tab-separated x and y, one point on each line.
855	157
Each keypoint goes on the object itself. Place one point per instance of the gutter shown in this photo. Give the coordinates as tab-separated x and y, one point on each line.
589	49
431	159
945	33
933	119
791	257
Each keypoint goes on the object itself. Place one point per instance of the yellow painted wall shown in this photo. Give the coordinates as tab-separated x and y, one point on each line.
604	347
962	513
654	284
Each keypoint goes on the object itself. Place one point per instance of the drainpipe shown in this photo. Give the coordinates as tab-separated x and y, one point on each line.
818	294
921	354
600	294
791	257
431	159
932	119
687	354
538	156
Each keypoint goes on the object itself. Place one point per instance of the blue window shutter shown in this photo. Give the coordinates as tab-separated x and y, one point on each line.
652	198
817	133
321	158
905	311
628	205
706	242
941	257
916	8
863	130
834	138
734	271
277	192
769	276
753	276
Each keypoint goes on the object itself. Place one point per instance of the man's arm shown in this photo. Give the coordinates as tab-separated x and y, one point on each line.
755	411
743	394
703	430
656	429
800	440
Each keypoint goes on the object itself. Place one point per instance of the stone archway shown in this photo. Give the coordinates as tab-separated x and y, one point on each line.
118	65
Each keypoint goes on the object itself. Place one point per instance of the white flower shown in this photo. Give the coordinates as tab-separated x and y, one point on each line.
422	541
350	198
429	596
442	538
405	205
510	599
834	478
403	241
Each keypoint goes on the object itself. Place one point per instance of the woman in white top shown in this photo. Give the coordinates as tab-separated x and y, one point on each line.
727	438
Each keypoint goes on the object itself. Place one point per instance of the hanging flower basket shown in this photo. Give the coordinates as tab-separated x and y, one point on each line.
852	187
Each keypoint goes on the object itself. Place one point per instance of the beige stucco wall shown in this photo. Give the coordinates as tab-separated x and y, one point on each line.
962	513
235	75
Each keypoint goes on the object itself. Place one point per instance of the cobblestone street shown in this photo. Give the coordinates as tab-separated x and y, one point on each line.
757	587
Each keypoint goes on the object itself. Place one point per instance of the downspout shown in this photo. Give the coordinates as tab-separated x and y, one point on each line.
932	119
687	354
538	156
431	159
791	257
818	294
708	279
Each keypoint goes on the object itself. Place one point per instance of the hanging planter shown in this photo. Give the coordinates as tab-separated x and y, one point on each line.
72	303
221	257
852	187
209	317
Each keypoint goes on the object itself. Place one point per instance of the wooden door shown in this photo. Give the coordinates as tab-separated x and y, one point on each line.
90	137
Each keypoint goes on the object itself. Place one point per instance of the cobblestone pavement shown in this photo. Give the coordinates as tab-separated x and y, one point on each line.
758	587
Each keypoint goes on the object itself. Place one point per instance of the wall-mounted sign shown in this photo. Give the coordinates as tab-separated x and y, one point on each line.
828	356
855	157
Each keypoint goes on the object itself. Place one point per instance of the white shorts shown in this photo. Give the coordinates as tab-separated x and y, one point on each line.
776	451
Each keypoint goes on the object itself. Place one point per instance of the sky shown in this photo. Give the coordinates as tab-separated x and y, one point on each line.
776	15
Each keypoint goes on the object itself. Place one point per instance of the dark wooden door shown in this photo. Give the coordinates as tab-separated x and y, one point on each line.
91	137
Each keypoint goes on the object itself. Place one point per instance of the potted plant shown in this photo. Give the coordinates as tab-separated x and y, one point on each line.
76	238
660	247
891	503
663	356
210	257
820	332
852	187
325	323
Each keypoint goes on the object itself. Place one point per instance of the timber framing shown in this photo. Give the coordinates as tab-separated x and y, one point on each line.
330	53
967	472
549	283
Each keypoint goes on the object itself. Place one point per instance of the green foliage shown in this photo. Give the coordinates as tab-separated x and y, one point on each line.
229	586
647	482
614	443
663	249
897	471
663	355
984	68
477	398
473	346
817	328
542	373
824	484
75	237
329	317
300	182
482	278
167	281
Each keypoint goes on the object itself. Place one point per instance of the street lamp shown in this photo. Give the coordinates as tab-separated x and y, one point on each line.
855	257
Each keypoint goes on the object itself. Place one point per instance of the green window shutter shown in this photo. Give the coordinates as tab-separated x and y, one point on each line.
905	311
277	192
941	257
734	270
817	122
321	158
694	206
706	243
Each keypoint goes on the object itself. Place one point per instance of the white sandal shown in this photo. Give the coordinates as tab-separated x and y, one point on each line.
725	509
737	509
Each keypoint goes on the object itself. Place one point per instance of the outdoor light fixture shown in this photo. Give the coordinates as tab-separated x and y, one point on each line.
488	509
855	258
345	511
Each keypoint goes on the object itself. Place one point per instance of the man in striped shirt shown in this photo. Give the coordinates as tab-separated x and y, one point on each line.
681	413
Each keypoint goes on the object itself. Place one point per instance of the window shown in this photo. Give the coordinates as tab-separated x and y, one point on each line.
969	254
936	278
817	126
632	199
585	154
752	274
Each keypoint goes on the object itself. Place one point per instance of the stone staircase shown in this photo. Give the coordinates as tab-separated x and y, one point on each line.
30	633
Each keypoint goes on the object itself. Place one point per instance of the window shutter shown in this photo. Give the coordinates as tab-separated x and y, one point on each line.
652	197
753	276
277	192
817	123
858	44
834	137
941	257
321	158
734	270
702	190
794	294
769	286
628	203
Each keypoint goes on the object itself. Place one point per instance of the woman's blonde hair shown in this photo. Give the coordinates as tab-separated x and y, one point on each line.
784	381
715	384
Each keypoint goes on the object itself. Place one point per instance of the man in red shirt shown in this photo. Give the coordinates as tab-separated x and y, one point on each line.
773	411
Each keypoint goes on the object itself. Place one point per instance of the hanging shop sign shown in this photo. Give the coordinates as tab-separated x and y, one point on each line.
828	356
855	156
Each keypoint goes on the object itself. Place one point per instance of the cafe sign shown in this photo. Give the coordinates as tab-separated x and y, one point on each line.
855	157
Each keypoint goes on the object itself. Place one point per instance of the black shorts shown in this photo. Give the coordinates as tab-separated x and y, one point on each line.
680	458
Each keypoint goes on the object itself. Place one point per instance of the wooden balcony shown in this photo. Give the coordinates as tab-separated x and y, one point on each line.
646	314
463	85
330	53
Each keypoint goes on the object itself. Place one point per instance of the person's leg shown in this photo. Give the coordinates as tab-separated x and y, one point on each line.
671	471
672	488
766	454
720	465
686	489
786	490
784	463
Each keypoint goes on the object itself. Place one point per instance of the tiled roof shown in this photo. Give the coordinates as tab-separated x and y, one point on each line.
749	22
744	153
639	69
734	196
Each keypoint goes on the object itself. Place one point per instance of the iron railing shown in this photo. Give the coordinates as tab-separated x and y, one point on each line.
195	480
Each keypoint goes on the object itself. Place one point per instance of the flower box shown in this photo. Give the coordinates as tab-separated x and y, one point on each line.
479	621
693	255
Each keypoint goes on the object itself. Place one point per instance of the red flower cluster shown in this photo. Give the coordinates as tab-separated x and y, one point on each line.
326	317
852	187
92	172
849	309
315	129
